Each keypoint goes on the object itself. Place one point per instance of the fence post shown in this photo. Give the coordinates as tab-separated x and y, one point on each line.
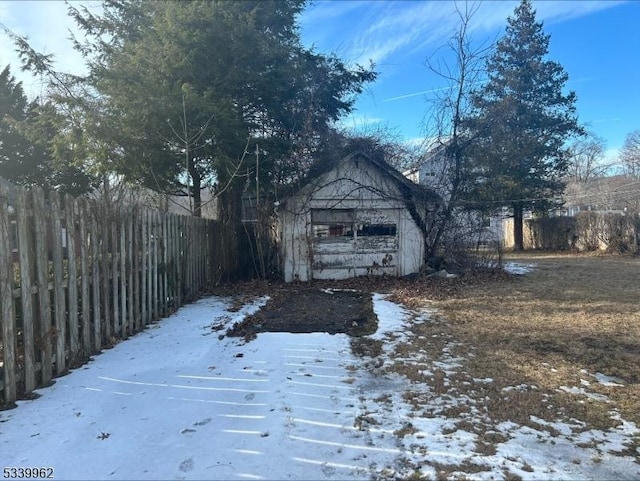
6	300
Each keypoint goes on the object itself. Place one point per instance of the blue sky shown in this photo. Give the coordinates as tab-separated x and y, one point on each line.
597	42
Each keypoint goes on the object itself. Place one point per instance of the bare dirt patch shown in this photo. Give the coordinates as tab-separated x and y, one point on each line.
339	306
312	309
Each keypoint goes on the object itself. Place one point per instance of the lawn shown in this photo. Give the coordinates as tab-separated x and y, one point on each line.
567	334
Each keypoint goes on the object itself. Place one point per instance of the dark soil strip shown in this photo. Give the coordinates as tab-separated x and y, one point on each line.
312	310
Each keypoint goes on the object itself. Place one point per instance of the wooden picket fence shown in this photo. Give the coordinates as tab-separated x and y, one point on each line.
77	275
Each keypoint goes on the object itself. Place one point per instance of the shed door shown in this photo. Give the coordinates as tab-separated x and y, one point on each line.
354	242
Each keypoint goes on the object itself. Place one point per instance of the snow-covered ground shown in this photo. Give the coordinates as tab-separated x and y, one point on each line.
518	268
178	402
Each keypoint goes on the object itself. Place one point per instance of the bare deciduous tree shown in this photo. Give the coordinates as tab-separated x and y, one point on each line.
587	159
630	154
449	149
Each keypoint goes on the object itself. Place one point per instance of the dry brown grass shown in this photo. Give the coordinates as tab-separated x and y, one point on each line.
572	313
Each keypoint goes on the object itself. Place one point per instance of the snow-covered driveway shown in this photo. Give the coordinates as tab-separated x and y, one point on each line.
178	402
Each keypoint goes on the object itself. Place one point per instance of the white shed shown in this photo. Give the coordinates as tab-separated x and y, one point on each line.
355	216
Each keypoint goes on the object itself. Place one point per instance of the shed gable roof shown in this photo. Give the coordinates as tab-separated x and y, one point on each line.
405	185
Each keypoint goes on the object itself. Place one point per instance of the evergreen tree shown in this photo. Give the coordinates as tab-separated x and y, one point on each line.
15	156
27	133
185	89
521	122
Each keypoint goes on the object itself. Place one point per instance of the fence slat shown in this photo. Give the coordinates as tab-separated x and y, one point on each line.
181	257
72	283
58	283
165	286
137	268
143	268
194	259
84	273
105	281
44	298
123	280
149	273
8	319
171	278
27	263
177	260
115	278
154	273
189	259
95	286
130	270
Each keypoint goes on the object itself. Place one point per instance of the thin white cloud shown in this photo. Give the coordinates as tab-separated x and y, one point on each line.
416	94
400	25
559	11
391	27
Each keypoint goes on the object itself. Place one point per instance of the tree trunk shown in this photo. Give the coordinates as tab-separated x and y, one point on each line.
518	237
235	252
197	197
196	191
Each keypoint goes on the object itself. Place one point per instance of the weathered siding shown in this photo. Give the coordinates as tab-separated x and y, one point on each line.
358	254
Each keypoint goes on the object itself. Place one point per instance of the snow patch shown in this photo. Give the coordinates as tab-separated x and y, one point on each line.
518	268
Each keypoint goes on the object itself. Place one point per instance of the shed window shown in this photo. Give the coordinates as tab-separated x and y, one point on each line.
332	230
332	222
249	209
341	223
371	230
333	216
